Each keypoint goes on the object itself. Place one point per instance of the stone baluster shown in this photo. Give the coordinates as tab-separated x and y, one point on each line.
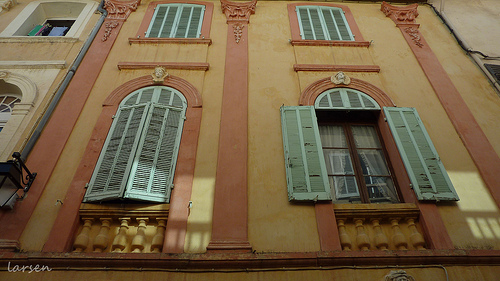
102	239
345	240
120	241
398	237
417	240
157	243
381	241
362	239
140	238
82	240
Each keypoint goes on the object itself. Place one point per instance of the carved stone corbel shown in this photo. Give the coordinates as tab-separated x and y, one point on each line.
237	11
400	15
120	10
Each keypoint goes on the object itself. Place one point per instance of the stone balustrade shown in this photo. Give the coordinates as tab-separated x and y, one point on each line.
121	228
379	227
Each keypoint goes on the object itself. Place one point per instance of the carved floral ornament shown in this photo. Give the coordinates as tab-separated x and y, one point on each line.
238	31
340	78
110	25
238	11
120	10
159	74
400	15
415	36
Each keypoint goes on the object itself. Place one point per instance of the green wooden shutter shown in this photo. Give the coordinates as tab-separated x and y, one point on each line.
307	178
176	21
323	23
152	173
190	20
427	174
112	170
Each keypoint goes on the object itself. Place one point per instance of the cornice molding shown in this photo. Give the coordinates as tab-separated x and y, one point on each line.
400	15
237	11
120	10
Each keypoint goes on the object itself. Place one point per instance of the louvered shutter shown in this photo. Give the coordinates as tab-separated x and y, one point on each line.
176	21
323	23
345	99
307	178
152	174
427	174
112	170
190	20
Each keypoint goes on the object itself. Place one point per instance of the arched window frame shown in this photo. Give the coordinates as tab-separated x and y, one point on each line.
148	122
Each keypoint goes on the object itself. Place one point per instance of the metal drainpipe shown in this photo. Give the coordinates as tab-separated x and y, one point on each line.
55	100
464	44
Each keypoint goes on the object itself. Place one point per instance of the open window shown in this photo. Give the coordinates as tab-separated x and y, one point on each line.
334	151
51	18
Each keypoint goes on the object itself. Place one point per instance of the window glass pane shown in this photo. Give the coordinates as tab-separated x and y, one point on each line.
332	136
373	162
365	137
338	162
344	188
381	189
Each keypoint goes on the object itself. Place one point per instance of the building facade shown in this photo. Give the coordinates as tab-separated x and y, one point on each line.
265	140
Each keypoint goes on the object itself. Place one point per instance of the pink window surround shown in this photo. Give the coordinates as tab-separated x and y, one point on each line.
68	219
298	41
430	219
205	28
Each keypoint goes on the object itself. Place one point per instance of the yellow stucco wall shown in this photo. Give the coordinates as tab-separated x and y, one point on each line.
274	224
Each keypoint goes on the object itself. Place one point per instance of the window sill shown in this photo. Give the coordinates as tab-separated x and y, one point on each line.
376	210
330	43
170	41
38	39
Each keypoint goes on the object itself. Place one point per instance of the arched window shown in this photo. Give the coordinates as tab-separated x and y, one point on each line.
6	105
139	155
334	151
354	154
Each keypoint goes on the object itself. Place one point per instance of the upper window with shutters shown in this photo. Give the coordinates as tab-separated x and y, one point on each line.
334	151
139	156
171	22
324	24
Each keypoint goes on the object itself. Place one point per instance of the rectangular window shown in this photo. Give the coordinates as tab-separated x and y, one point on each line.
176	21
323	23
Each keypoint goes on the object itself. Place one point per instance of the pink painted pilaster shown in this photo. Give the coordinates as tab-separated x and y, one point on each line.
229	225
49	147
473	137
